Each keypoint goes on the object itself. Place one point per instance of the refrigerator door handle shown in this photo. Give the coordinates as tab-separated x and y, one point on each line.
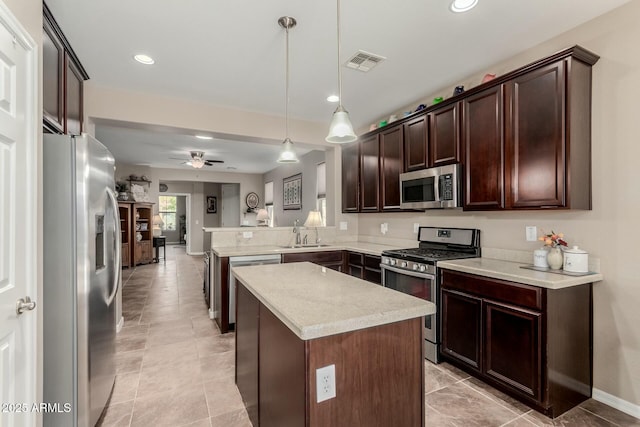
117	249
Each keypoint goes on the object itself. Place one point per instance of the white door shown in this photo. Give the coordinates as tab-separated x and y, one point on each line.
18	222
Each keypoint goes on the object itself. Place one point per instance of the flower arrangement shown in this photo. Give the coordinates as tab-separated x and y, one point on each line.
553	239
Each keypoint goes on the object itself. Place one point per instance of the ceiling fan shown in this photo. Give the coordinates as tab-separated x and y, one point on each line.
197	161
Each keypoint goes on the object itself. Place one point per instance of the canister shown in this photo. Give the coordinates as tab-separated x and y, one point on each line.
576	260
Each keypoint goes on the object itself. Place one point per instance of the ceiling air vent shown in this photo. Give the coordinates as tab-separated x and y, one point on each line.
364	61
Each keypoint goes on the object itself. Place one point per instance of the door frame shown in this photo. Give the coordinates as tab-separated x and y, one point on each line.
32	236
187	219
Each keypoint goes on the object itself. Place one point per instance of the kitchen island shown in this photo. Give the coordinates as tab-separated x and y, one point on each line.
293	319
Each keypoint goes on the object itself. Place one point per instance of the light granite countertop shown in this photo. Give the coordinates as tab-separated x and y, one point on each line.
315	301
513	272
364	247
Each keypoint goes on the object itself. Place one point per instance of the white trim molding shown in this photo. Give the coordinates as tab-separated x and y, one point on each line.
616	402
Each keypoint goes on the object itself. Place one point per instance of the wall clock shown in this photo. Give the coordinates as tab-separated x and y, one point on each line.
252	201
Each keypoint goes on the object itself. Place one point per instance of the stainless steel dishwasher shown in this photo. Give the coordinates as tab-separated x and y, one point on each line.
239	261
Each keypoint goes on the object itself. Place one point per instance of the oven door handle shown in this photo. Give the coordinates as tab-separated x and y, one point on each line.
407	272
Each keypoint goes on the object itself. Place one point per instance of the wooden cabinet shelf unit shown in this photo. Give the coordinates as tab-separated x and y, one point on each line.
124	209
532	343
142	222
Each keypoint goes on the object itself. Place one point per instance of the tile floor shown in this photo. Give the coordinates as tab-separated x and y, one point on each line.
175	369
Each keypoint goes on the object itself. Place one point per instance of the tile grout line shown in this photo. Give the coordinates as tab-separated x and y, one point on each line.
600	416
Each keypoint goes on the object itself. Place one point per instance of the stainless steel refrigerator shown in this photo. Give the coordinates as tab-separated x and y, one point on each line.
81	278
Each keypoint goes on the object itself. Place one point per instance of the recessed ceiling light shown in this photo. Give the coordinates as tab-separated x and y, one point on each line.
231	168
462	5
333	98
204	137
144	59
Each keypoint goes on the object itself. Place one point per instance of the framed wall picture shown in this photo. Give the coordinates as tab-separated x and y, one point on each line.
292	192
212	204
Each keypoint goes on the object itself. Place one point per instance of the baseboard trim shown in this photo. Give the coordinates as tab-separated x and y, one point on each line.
195	253
616	402
120	324
212	314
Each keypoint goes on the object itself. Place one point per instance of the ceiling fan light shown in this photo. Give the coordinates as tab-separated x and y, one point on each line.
340	128
197	162
460	6
287	155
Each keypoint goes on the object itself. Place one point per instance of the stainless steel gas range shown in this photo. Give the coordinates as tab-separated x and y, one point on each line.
414	271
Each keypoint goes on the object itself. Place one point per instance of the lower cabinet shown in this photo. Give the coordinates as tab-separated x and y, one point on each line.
247	321
143	252
363	266
329	259
532	343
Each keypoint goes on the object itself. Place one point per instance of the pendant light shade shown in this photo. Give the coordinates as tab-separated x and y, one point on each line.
287	155
340	128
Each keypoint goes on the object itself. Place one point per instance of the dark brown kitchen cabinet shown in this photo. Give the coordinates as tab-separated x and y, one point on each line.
461	327
416	146
536	138
247	325
532	343
363	266
444	135
329	259
513	333
483	150
370	174
63	77
391	166
351	177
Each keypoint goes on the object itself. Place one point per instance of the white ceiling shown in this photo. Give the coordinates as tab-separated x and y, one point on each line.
232	53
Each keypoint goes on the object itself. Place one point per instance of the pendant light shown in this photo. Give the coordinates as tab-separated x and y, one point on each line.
340	129
287	155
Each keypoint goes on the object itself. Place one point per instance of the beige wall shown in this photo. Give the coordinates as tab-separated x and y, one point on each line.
194	179
611	231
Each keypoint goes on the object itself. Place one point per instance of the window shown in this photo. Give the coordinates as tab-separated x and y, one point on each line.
321	191
268	201
167	206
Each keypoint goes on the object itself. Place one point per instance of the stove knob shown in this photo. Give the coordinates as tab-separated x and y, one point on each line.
393	262
404	264
415	266
385	260
423	268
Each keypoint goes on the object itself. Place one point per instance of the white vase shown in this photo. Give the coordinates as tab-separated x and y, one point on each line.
554	258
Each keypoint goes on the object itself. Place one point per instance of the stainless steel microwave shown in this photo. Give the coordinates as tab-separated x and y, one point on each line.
432	188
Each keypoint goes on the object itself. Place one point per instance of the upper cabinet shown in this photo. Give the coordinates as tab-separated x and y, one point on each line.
444	135
391	166
369	174
63	77
350	177
416	144
523	139
483	150
536	138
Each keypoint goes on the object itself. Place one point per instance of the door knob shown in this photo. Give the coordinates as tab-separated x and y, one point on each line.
24	304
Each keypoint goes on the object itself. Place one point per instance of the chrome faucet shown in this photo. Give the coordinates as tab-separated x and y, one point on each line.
304	241
296	230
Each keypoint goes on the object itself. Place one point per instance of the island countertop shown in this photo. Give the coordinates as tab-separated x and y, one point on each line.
314	301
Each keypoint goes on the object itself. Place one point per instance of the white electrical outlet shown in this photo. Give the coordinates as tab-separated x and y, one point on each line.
247	234
416	228
532	233
343	225
325	383
384	227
